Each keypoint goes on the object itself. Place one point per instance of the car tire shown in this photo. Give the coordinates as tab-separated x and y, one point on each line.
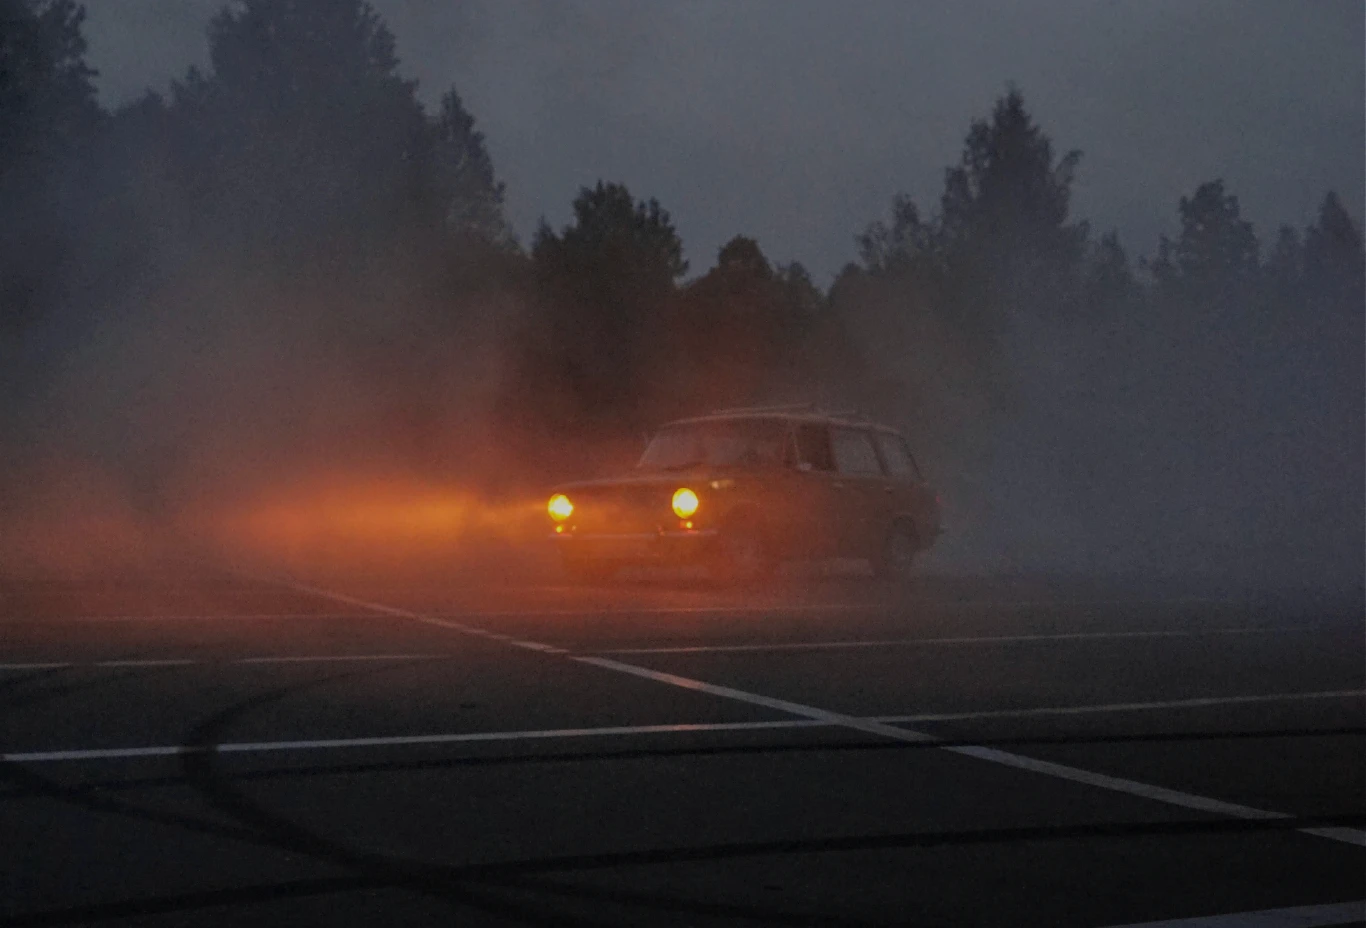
895	560
741	555
585	571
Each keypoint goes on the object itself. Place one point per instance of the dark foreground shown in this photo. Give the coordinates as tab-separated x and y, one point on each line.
190	747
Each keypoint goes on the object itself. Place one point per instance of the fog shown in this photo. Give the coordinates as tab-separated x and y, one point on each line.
277	315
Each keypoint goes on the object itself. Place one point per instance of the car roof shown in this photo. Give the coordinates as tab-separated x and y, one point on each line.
816	417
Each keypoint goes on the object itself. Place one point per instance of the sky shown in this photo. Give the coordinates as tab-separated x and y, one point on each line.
797	121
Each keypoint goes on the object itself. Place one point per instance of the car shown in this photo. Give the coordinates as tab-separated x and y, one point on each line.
740	490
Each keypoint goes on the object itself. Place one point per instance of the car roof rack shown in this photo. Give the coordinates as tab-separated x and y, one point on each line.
786	407
812	408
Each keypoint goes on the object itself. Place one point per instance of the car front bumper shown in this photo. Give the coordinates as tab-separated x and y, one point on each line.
636	547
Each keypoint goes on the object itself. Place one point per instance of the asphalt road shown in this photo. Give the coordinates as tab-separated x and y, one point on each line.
183	746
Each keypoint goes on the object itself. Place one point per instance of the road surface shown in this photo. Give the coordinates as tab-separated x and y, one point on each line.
191	746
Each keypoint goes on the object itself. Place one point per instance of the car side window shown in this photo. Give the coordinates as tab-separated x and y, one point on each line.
813	447
896	456
854	454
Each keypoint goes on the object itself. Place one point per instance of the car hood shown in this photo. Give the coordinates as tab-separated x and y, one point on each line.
672	479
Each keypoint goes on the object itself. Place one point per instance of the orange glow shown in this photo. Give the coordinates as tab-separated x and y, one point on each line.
685	502
336	520
560	508
559	529
687	524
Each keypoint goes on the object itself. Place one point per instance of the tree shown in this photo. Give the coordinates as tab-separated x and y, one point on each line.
737	334
1216	255
1333	258
315	145
1005	206
279	58
603	282
1284	267
48	114
1109	282
742	257
884	248
47	95
800	291
469	194
309	155
610	229
1001	256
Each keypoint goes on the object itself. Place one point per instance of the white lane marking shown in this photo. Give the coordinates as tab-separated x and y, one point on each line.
38	757
492	636
1196	703
196	662
979	639
1019	762
875	724
825	716
333	658
872	726
1304	916
1345	835
1116	784
318	744
485	736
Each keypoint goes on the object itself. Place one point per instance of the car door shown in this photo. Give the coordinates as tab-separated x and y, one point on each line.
815	503
862	486
900	495
907	493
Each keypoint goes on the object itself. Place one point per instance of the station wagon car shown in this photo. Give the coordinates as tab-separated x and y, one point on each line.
741	490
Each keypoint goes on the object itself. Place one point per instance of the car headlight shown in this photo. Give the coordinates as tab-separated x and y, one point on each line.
559	507
684	502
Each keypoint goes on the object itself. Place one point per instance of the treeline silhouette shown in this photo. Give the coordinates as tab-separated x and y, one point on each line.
288	262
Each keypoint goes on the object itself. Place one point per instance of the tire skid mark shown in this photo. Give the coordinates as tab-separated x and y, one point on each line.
904	840
662	902
90	799
507	873
249	829
185	902
460	885
256	825
28	698
216	788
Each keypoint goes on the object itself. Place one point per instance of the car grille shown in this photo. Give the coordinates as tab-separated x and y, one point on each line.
620	510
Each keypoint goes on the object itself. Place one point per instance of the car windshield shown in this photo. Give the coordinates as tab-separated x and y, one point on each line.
743	443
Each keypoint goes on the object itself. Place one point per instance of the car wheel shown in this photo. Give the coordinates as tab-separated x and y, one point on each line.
583	570
741	556
896	560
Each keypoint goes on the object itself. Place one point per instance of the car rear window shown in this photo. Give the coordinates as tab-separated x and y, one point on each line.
896	456
854	454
